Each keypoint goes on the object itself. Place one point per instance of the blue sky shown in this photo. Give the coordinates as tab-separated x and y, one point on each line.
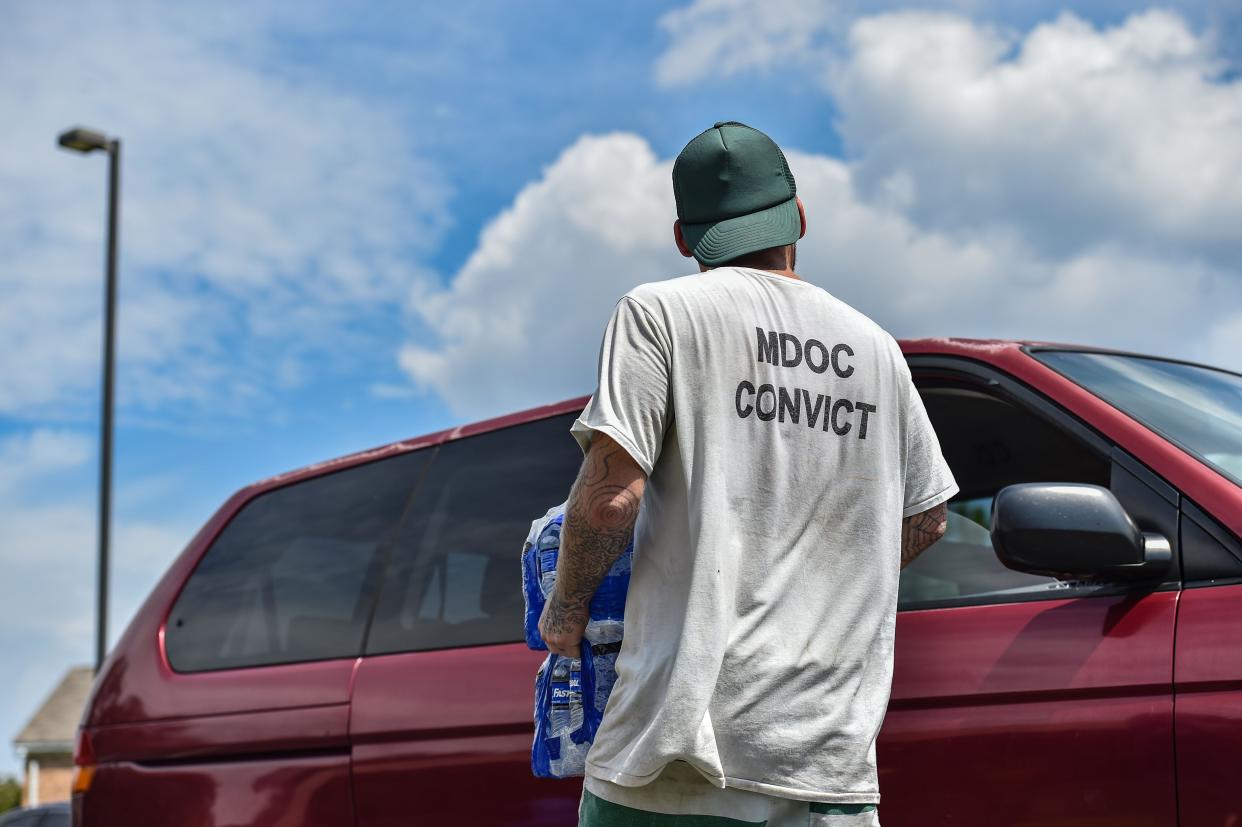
341	229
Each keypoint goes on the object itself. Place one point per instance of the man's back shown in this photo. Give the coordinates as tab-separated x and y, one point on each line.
759	623
764	445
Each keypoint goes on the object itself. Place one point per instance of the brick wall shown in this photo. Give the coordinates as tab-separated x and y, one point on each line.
55	777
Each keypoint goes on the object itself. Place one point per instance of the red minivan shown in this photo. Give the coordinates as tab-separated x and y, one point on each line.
340	645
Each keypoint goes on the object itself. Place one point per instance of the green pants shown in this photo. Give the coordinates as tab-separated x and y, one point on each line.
596	812
681	797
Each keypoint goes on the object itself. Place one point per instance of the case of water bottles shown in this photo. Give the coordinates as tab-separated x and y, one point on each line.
570	693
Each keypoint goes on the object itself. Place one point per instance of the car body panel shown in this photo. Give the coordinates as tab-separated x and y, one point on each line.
307	790
455	737
289	730
1034	696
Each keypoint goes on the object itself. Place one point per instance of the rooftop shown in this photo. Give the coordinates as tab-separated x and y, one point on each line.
56	721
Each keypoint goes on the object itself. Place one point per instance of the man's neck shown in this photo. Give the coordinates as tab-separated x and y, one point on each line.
780	261
786	272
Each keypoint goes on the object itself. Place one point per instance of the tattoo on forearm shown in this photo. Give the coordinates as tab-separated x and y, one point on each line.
596	468
921	530
599	521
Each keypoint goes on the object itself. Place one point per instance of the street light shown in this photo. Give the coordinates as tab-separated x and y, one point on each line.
87	141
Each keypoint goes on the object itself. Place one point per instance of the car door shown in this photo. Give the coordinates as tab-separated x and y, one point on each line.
443	702
1208	672
1019	699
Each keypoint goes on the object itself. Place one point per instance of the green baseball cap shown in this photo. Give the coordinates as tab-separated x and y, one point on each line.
735	194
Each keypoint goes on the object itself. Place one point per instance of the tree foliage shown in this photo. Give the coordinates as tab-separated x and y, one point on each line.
10	794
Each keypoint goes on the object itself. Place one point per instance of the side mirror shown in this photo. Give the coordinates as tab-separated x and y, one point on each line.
1070	528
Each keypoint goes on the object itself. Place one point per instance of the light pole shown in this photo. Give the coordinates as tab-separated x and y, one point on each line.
87	141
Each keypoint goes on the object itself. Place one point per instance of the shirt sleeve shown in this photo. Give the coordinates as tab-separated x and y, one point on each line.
631	402
929	482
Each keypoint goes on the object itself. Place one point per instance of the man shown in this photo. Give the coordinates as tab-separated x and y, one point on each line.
786	471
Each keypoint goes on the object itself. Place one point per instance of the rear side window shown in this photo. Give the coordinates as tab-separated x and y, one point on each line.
456	575
293	576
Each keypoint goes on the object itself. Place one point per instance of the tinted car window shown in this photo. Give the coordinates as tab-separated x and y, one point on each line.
990	442
294	574
1196	407
455	577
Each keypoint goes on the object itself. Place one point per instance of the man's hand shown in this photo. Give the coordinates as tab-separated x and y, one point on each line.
599	521
562	626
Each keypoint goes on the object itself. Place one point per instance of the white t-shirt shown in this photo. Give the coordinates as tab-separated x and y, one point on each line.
783	442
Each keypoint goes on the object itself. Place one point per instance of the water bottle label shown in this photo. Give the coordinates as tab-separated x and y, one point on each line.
547	563
550	537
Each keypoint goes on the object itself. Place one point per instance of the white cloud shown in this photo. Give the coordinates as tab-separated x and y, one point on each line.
994	283
266	215
725	37
30	455
1071	133
1224	340
521	323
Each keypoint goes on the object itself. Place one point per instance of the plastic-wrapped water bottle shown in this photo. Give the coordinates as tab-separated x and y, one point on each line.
570	693
566	696
604	637
539	569
547	546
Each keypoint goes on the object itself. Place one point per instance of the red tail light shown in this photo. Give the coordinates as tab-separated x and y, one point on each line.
83	763
83	752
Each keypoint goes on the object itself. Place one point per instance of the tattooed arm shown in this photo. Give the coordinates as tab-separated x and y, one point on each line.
921	530
599	521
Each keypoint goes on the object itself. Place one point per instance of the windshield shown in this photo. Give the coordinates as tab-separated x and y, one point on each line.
1198	408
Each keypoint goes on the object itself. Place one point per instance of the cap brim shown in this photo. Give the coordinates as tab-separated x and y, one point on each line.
719	241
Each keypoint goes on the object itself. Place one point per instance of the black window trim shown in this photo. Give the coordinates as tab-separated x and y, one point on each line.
1212	527
1008	387
390	545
